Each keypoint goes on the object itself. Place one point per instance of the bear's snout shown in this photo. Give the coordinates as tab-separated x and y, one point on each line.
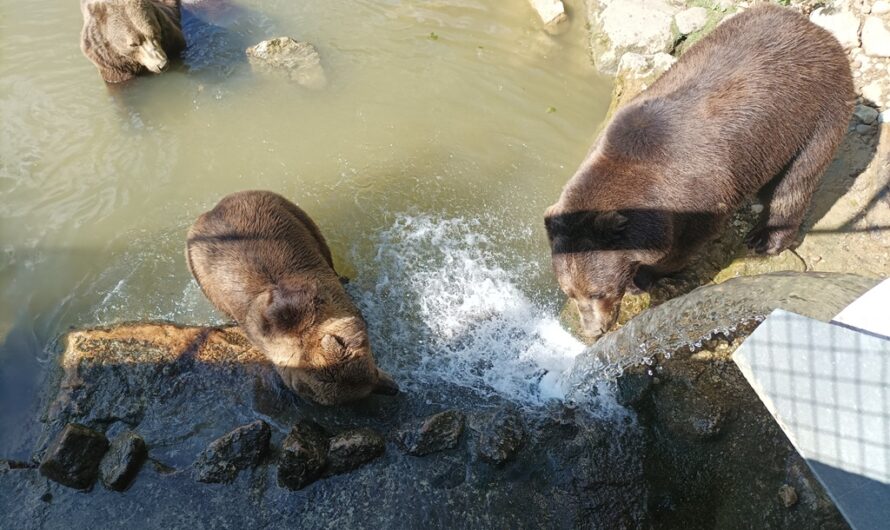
152	56
598	316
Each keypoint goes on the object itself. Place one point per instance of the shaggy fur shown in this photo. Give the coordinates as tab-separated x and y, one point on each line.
756	107
261	260
126	38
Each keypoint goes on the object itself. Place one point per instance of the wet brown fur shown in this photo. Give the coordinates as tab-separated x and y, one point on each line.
262	261
107	27
756	107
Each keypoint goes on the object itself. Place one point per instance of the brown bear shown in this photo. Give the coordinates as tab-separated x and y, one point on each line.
756	107
262	261
125	38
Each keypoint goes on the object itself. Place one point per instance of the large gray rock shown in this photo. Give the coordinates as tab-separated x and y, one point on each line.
842	23
297	60
875	37
691	20
618	27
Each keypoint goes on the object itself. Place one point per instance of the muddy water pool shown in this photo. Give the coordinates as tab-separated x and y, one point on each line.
445	130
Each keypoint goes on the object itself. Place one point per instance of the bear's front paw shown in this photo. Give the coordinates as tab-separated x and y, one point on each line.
770	241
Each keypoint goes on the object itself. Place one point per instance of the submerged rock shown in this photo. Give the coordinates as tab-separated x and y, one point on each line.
352	449
297	60
239	449
552	13
73	458
303	456
123	461
501	437
436	433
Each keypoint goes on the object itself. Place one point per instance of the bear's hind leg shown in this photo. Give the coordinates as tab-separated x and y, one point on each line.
787	202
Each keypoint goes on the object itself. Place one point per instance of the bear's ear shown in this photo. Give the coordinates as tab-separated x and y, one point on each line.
333	344
573	224
348	336
290	309
610	225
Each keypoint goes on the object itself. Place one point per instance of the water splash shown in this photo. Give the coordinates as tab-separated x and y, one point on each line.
442	302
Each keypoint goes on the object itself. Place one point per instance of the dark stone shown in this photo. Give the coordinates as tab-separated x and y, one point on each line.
352	449
633	386
303	456
501	437
123	461
73	458
788	495
436	433
709	425
239	449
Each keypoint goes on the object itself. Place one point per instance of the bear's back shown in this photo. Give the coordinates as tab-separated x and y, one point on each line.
735	108
250	241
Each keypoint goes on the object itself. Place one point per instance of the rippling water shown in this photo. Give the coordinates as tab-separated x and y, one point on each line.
446	129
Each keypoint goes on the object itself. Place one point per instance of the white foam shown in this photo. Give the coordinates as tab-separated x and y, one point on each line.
442	302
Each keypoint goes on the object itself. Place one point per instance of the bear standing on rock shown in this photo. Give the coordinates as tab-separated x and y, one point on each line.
759	106
125	38
261	260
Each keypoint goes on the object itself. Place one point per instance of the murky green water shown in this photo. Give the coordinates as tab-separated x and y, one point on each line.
446	129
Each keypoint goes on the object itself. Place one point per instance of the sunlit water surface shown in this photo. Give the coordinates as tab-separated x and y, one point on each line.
446	129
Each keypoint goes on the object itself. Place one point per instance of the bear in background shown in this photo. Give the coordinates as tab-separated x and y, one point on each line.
758	106
126	38
262	261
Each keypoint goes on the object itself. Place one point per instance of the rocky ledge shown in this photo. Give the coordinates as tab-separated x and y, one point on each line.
224	442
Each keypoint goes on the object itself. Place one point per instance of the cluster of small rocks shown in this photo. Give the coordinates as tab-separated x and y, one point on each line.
863	28
79	455
638	41
308	453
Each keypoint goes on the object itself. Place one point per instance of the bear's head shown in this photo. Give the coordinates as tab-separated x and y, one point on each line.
124	35
592	263
321	352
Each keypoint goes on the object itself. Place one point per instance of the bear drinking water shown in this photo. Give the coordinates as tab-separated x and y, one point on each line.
261	260
125	38
756	107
